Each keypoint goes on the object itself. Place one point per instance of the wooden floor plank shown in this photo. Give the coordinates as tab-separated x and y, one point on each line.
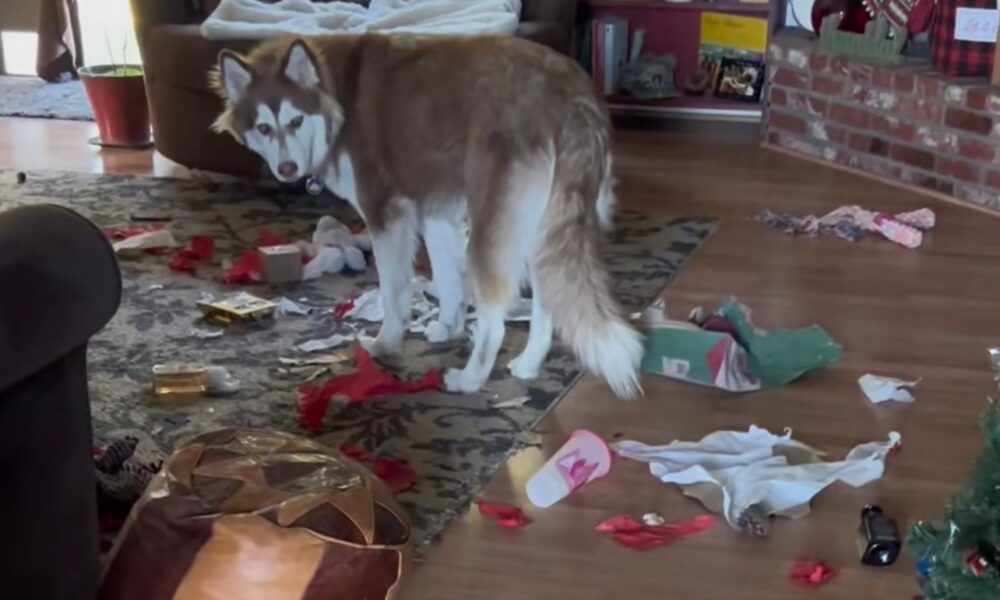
927	313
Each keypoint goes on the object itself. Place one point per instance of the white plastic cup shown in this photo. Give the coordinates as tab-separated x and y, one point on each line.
583	458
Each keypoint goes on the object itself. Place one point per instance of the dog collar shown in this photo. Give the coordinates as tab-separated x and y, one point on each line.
314	186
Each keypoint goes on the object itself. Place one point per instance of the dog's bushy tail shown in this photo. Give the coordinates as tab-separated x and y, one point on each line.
569	268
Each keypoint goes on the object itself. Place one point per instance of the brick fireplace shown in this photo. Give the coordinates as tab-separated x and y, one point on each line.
906	124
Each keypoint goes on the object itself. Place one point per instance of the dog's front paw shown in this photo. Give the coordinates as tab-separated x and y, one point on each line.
458	381
524	369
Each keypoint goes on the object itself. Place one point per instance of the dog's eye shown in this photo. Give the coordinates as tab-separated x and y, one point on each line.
264	129
296	122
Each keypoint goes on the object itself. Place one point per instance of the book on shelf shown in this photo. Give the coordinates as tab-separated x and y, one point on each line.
609	52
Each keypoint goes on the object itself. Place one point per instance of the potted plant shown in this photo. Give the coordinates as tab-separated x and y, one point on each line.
117	95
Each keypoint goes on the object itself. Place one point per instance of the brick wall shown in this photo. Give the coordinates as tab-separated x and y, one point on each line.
904	123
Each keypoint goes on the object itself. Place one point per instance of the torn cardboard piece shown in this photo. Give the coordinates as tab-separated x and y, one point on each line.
725	350
883	389
731	472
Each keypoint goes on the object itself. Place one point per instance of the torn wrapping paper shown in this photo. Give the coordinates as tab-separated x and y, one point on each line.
505	515
731	472
852	222
726	351
148	240
201	248
369	381
883	389
641	536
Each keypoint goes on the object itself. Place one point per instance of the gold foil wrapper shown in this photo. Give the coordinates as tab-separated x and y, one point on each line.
237	308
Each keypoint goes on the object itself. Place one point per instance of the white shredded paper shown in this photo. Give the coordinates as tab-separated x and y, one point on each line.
334	341
883	389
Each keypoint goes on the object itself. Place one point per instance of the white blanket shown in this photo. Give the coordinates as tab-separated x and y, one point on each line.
730	471
254	19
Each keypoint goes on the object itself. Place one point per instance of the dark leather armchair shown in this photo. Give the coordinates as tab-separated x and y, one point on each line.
59	285
176	59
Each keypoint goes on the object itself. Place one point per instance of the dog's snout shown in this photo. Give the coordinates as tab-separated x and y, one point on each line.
288	169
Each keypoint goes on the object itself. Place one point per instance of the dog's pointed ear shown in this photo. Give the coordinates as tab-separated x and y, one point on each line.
300	65
235	75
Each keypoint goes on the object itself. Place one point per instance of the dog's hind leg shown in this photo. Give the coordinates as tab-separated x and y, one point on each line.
529	362
504	220
446	248
394	245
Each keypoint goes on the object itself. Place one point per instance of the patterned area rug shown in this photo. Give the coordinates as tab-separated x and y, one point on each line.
23	96
454	443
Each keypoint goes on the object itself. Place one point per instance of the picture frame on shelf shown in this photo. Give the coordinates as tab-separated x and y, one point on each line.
740	79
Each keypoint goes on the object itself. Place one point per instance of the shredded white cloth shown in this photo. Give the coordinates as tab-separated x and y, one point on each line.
731	471
256	19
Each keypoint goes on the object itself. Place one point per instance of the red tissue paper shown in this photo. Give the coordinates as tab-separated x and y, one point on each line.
266	237
811	573
505	515
636	535
340	311
394	472
246	268
355	452
369	381
201	248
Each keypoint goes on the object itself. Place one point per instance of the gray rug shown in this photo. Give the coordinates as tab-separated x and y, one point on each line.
23	96
454	443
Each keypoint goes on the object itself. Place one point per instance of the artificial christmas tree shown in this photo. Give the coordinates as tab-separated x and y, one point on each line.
959	558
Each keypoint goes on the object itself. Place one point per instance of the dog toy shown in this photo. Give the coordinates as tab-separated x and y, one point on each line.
335	247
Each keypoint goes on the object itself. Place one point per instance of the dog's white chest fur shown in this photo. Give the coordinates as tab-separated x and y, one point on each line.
339	179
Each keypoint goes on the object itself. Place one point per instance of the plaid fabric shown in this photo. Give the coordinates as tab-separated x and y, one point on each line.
954	57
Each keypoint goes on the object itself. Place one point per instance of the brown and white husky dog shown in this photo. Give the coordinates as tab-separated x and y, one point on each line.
420	134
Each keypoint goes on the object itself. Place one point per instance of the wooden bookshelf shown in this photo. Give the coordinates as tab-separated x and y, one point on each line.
674	28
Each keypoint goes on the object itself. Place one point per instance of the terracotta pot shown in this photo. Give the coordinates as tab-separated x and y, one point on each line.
119	104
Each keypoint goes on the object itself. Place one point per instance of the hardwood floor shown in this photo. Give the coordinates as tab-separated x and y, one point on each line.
927	313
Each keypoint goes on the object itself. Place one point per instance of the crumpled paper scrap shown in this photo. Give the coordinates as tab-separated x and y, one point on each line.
731	471
287	306
883	389
219	382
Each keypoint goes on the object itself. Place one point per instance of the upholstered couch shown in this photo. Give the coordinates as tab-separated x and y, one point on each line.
60	285
177	59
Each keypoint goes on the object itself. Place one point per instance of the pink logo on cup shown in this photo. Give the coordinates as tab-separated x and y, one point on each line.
576	469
